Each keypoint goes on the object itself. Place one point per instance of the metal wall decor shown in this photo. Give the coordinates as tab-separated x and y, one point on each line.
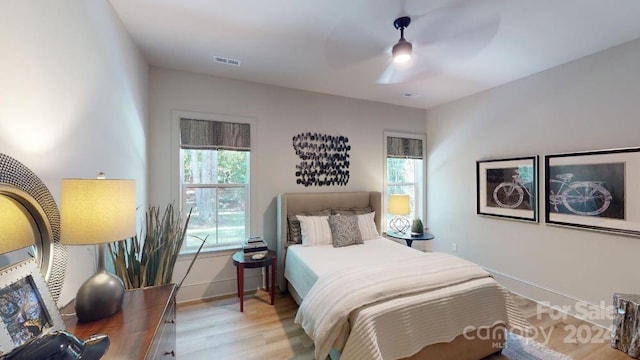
324	159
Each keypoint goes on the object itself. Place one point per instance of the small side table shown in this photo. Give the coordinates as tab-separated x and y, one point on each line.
625	334
410	238
240	261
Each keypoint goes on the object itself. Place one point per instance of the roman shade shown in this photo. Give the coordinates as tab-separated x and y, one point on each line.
405	148
214	135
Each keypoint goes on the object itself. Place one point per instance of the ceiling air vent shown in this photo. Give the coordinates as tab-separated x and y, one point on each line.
226	60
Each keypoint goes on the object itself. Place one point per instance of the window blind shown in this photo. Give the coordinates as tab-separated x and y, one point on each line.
405	148
214	135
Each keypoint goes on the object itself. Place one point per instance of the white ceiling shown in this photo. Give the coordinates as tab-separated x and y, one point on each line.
342	47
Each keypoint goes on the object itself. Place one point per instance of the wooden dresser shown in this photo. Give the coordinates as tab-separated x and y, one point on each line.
144	329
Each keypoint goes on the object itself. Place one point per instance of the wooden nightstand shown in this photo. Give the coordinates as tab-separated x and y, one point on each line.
240	261
145	328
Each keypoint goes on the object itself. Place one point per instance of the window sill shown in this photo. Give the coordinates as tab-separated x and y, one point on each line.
210	252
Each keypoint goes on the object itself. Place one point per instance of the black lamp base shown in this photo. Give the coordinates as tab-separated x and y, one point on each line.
100	296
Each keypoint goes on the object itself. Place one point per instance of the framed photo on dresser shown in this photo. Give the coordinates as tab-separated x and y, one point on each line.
27	309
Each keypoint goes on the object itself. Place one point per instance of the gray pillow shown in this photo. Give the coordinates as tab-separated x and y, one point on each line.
345	230
295	232
352	211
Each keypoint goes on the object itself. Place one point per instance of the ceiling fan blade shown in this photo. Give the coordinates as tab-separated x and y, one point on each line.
451	11
352	41
419	67
340	52
460	46
463	17
417	74
387	75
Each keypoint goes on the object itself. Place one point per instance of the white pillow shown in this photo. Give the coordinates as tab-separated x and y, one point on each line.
367	226
315	230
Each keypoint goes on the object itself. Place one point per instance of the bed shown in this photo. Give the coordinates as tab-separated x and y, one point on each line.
449	318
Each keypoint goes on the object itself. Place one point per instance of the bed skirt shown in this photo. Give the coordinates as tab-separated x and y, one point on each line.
470	346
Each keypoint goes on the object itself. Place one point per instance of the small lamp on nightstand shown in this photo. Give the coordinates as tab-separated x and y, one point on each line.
98	211
399	206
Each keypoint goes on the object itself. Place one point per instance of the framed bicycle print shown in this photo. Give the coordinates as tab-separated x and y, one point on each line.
508	188
596	190
27	309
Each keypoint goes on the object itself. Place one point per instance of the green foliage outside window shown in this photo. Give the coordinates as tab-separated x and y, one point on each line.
216	193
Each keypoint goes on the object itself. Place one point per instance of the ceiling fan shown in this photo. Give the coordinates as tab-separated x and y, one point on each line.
438	38
401	51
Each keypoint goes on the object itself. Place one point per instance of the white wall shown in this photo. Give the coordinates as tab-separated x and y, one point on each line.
73	99
279	114
588	104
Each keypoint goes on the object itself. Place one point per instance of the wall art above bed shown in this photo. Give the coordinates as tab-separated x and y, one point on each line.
596	190
508	188
324	159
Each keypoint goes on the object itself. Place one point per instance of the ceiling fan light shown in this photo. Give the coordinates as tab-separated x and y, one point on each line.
401	51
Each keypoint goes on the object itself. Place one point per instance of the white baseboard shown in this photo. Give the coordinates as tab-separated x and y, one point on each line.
597	314
217	288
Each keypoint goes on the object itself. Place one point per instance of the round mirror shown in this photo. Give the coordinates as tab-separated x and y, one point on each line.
30	223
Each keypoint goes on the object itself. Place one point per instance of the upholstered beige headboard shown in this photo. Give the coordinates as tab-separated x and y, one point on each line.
297	203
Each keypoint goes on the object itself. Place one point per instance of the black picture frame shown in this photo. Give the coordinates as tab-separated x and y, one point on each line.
594	190
508	188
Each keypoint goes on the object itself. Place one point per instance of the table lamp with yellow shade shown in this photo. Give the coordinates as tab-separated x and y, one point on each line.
400	207
97	211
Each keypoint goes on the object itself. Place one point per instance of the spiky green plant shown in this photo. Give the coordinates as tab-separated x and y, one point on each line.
151	262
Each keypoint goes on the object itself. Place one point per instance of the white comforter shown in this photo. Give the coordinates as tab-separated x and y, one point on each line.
324	314
305	264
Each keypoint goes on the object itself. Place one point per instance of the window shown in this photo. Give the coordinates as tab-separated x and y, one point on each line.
214	182
404	171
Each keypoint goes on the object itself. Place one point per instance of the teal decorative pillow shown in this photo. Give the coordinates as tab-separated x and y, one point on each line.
345	230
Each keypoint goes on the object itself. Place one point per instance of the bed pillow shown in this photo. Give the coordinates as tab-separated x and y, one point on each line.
315	230
345	230
351	211
295	234
367	226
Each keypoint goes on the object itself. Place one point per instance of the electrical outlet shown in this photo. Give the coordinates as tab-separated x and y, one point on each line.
454	247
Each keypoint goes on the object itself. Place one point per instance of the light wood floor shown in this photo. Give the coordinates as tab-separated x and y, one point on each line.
218	330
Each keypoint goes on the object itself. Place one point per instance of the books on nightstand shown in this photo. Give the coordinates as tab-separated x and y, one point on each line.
253	245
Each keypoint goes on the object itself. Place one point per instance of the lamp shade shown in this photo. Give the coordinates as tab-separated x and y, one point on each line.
96	211
399	205
401	51
16	228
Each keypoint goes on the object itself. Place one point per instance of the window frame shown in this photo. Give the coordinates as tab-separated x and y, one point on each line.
254	221
420	191
217	187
